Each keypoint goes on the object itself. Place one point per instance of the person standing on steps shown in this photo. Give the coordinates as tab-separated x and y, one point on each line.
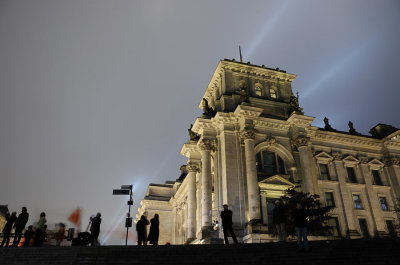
95	229
40	230
20	225
142	231
154	230
300	221
278	218
226	216
8	227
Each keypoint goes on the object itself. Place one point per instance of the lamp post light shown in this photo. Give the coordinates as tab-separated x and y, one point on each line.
126	190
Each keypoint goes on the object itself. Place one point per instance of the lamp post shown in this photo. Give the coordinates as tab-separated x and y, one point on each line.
126	190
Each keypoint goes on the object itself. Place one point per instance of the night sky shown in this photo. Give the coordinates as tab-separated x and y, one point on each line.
96	94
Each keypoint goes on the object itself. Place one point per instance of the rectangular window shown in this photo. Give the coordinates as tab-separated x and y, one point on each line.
383	203
333	223
357	201
269	163
351	175
363	227
390	227
330	201
324	172
377	177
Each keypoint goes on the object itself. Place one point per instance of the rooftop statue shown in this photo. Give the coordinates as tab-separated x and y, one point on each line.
294	104
207	111
352	130
192	135
328	127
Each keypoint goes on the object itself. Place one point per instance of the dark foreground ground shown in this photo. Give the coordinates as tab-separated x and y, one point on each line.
362	251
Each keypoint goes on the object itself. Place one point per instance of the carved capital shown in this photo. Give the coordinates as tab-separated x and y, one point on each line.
300	141
337	155
207	144
248	134
363	159
392	161
193	167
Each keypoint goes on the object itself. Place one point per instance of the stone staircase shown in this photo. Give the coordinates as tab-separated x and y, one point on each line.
361	251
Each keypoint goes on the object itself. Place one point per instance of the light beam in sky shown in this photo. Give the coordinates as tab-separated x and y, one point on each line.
269	24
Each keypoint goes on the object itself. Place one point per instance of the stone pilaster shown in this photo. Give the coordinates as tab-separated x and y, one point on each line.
392	164
193	168
253	192
373	199
346	196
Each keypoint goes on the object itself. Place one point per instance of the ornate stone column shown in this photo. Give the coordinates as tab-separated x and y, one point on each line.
253	192
206	194
193	168
301	143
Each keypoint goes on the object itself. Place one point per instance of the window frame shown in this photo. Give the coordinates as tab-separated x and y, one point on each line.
355	201
386	203
374	177
348	175
278	165
328	175
332	199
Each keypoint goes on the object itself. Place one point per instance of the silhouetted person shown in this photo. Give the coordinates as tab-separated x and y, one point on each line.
154	230
279	218
300	221
141	228
20	225
226	216
40	230
28	236
8	227
95	228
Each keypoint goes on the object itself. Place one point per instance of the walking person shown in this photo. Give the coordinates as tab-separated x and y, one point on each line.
279	218
28	236
40	230
95	228
154	230
141	229
20	225
226	216
8	227
300	221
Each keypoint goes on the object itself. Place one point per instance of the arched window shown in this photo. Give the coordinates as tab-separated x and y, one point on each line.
258	89
272	93
269	164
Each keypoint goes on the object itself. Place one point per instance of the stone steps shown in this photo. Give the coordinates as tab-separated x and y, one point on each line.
363	251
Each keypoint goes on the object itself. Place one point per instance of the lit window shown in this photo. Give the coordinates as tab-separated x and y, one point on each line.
272	93
377	177
324	172
258	89
351	175
384	205
357	201
269	164
330	201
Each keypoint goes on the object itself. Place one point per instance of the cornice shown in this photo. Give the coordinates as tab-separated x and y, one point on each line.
256	70
271	124
224	118
201	125
247	112
300	120
190	150
353	140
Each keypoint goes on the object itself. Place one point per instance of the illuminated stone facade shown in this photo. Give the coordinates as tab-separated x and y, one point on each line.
253	142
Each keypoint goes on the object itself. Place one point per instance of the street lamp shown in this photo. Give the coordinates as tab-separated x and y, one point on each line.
126	190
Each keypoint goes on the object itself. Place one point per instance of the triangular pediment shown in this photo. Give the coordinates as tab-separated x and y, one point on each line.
277	180
376	163
351	159
323	156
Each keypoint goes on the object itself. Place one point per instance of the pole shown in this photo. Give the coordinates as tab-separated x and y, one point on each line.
129	216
